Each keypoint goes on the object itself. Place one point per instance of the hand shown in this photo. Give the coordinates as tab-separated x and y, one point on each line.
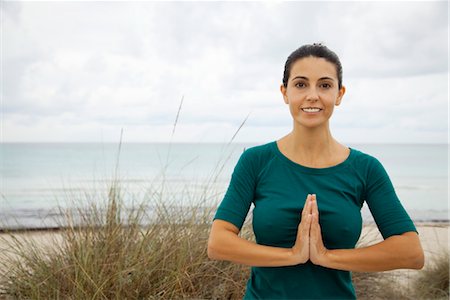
301	248
317	250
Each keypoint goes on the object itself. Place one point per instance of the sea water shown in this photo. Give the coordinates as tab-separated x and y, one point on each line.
39	178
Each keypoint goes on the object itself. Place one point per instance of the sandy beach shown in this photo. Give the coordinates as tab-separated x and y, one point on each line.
433	236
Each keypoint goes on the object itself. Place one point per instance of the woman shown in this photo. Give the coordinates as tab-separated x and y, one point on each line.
308	190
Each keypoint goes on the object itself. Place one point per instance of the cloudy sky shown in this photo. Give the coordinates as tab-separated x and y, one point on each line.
81	71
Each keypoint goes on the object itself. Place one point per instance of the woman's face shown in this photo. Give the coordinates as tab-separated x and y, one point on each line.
312	91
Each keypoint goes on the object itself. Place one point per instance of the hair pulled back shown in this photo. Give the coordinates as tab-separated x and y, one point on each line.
315	50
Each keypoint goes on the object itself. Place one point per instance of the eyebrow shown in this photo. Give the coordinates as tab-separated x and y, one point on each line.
306	78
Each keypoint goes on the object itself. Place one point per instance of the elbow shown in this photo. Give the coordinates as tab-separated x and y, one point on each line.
418	256
418	260
212	251
219	240
414	257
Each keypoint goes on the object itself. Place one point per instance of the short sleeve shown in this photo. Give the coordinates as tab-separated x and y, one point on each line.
240	193
387	211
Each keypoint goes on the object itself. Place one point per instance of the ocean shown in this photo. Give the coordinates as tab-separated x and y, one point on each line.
38	178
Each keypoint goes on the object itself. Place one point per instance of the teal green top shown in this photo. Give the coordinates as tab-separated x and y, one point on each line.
278	187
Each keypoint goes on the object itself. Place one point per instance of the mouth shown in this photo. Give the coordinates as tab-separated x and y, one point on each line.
311	109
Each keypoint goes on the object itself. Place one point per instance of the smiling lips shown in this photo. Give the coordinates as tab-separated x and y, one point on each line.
311	109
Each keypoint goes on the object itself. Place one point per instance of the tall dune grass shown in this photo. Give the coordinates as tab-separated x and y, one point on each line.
108	250
109	256
112	256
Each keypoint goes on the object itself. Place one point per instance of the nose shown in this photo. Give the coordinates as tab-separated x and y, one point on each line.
312	95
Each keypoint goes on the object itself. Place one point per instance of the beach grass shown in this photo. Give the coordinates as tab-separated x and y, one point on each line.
108	256
433	281
155	249
112	251
111	255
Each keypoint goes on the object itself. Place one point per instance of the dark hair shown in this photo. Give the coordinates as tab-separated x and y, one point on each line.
315	50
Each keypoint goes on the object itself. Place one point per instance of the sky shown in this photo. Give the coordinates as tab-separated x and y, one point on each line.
82	71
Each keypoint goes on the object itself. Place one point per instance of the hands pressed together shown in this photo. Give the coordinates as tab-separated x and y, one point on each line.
309	244
395	252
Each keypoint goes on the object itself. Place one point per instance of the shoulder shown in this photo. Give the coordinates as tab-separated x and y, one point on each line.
259	152
257	157
368	166
362	160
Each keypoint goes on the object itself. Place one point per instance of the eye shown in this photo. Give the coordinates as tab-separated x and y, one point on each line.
325	85
300	84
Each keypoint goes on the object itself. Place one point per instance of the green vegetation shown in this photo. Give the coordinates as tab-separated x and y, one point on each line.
115	257
111	257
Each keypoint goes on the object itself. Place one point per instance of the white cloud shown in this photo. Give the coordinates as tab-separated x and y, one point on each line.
80	71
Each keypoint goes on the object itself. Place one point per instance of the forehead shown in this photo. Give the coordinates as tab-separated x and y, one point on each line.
313	68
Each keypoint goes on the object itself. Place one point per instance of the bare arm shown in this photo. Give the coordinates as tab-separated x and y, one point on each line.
396	252
225	244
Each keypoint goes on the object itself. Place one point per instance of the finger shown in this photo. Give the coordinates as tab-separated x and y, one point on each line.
310	204
306	207
309	222
315	226
313	232
307	226
314	207
309	210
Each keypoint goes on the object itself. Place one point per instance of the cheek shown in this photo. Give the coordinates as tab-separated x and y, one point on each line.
294	100
330	101
330	111
294	107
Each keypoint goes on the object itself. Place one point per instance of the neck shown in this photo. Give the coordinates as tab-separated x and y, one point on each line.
313	144
312	139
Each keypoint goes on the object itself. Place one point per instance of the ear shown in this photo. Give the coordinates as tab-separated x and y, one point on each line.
283	92
340	95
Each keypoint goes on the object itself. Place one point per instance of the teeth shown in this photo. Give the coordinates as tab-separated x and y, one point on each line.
311	109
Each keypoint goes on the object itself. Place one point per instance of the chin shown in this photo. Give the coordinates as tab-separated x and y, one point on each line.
315	124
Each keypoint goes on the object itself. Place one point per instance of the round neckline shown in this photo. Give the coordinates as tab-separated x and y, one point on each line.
310	170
